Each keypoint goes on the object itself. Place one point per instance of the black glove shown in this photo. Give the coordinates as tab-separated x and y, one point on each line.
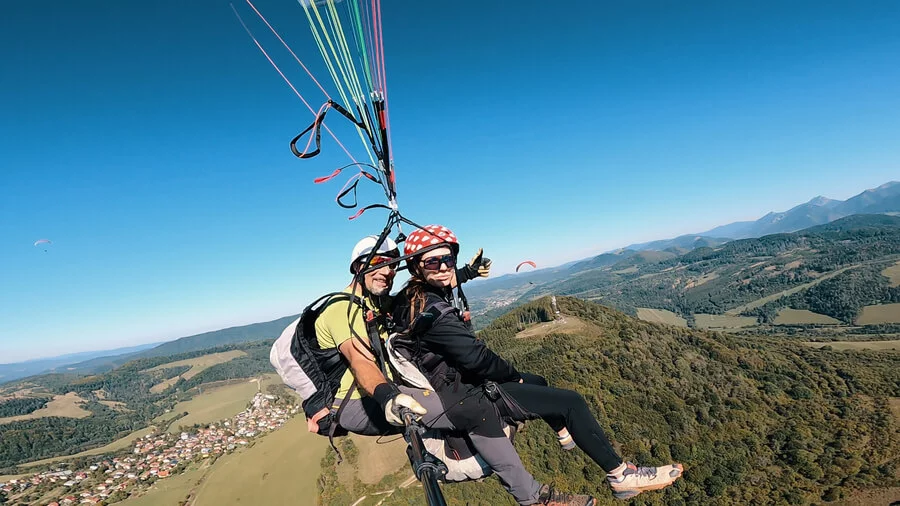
478	267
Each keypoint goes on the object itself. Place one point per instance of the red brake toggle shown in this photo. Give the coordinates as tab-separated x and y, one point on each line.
326	178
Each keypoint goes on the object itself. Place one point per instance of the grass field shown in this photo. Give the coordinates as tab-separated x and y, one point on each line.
789	316
198	365
213	404
882	313
379	457
716	321
62	405
6	477
860	345
701	280
281	468
172	491
893	273
116	405
661	316
563	325
116	445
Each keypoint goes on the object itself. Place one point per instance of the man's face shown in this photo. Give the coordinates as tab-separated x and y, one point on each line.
380	281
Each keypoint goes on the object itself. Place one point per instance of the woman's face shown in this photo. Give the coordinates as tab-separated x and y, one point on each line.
433	266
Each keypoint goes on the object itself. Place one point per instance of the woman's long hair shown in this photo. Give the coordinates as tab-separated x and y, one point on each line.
415	292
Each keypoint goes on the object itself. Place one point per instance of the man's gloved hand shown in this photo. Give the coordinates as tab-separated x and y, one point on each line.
479	266
392	410
392	400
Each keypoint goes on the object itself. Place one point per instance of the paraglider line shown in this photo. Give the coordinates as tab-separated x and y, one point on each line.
288	81
286	46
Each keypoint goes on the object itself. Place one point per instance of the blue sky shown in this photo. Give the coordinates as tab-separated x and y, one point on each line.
148	141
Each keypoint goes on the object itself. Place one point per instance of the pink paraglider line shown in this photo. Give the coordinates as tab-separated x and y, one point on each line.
288	81
286	46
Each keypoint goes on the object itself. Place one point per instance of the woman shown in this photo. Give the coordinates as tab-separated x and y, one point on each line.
435	338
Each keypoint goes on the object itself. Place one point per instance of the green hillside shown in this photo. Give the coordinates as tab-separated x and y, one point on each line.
754	420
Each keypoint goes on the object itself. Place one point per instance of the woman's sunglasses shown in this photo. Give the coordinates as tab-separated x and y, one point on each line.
434	263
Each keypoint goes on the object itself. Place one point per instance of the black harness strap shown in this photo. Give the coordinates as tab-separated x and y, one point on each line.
336	420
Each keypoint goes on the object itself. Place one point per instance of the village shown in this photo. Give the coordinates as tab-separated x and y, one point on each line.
153	457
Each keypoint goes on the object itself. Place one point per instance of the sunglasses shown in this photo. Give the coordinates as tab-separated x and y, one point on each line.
379	260
434	263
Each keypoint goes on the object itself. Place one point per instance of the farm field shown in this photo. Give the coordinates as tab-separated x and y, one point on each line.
726	321
6	477
661	316
62	405
789	316
216	403
281	468
860	345
111	447
881	313
893	273
198	365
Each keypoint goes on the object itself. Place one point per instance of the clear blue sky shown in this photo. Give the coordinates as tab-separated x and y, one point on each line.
148	141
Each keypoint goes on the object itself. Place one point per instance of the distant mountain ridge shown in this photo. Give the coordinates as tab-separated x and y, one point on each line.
16	370
817	211
232	335
102	361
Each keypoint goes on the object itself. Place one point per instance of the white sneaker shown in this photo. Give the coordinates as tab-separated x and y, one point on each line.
635	480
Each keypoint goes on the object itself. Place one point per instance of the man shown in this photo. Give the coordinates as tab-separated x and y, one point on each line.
373	406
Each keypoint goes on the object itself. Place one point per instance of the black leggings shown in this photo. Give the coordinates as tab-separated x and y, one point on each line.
565	408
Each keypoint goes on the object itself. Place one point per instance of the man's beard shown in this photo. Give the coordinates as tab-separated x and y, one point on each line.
385	291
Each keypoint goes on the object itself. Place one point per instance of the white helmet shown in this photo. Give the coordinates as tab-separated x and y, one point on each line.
364	247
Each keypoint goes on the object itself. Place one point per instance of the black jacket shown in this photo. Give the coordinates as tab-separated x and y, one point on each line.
443	346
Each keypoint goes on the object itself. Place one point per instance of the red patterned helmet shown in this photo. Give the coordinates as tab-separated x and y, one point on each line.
430	236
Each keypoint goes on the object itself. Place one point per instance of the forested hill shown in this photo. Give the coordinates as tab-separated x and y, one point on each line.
832	269
754	420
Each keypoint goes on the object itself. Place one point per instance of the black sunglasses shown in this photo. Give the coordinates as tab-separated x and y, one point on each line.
434	263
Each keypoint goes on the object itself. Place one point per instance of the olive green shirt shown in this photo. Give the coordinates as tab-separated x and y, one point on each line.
333	329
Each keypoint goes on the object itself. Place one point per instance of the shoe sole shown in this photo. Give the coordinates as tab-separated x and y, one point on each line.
628	494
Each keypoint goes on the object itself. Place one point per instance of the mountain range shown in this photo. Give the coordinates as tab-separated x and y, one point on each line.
884	199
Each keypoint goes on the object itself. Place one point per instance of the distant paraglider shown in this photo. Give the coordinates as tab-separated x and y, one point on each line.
526	262
43	242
